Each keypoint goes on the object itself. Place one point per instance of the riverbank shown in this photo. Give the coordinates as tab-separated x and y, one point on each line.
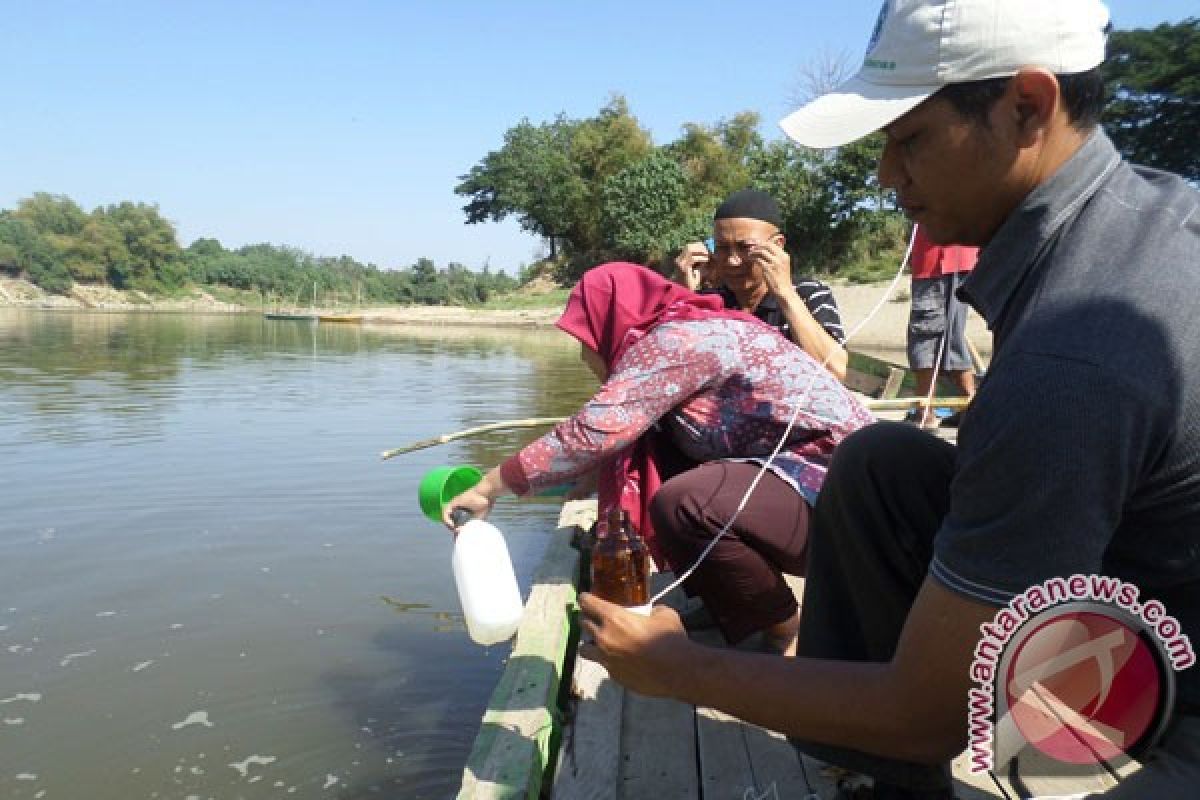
883	335
23	294
15	293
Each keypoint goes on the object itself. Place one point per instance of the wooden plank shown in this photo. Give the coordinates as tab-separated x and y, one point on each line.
862	382
1032	774
512	748
589	758
891	387
658	745
826	782
905	403
972	786
1029	772
725	768
775	763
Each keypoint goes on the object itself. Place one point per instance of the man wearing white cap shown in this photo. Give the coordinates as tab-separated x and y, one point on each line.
1080	454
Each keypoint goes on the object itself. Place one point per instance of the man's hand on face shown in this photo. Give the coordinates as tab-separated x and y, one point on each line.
691	265
775	263
642	653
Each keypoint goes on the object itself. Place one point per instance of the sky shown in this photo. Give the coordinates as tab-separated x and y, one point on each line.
343	127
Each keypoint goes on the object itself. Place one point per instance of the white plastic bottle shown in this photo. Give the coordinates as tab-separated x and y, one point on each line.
487	585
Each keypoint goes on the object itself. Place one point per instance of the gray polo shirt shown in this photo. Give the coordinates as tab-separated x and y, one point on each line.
1081	451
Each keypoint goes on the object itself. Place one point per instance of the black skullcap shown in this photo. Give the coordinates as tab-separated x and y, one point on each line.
750	204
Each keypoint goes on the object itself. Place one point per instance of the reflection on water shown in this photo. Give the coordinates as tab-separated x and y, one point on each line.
210	586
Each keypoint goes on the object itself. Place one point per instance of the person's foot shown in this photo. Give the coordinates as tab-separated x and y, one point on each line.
953	420
915	415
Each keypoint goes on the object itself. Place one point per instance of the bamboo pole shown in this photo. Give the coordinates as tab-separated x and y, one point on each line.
976	358
905	403
533	422
892	404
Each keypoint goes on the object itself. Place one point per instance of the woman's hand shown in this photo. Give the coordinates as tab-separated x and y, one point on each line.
479	499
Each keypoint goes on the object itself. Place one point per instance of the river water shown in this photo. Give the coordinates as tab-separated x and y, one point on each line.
211	586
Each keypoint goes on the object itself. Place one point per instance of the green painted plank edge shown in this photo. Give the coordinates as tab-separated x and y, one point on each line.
513	748
870	365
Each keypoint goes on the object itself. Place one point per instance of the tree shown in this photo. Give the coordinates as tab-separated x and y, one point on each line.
23	249
97	252
1153	80
150	242
821	74
531	177
549	175
206	248
647	212
601	147
718	159
52	214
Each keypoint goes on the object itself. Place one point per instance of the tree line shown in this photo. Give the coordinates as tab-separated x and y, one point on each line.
598	188
127	245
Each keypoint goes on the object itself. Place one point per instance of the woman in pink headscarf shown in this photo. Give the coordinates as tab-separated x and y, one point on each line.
693	398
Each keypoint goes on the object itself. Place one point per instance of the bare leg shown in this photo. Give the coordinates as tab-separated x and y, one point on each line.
965	380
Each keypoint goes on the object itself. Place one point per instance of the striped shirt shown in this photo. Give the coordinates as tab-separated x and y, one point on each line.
816	296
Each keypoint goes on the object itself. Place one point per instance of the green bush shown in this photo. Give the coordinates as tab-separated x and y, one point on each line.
50	274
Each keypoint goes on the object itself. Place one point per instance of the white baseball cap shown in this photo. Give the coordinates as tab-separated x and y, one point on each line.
919	46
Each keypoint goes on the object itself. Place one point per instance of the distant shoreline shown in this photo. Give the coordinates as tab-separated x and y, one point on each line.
16	293
885	331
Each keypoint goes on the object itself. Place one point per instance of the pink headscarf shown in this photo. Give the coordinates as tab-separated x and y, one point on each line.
608	322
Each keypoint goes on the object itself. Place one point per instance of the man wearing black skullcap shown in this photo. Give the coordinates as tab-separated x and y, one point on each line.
752	271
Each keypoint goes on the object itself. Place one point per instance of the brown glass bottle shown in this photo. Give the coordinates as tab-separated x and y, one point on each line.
620	562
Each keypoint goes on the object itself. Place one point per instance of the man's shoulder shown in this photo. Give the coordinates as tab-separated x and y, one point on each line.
815	292
810	287
1134	189
811	282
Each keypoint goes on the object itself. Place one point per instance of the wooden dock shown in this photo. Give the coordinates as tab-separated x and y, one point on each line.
619	745
557	727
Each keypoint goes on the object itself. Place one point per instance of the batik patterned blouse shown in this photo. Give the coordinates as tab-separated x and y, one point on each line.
721	389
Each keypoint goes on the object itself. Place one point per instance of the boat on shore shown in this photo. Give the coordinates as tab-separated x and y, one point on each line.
295	314
290	315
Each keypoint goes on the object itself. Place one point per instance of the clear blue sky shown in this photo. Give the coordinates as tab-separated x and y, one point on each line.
341	127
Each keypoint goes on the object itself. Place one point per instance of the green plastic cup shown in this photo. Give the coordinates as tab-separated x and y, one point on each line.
441	485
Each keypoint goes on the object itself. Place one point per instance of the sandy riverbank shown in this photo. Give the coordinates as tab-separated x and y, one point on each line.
882	335
23	294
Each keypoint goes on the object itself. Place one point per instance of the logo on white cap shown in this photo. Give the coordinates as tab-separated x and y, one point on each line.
919	46
875	34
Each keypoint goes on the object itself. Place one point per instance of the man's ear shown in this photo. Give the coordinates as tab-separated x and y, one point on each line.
1033	99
